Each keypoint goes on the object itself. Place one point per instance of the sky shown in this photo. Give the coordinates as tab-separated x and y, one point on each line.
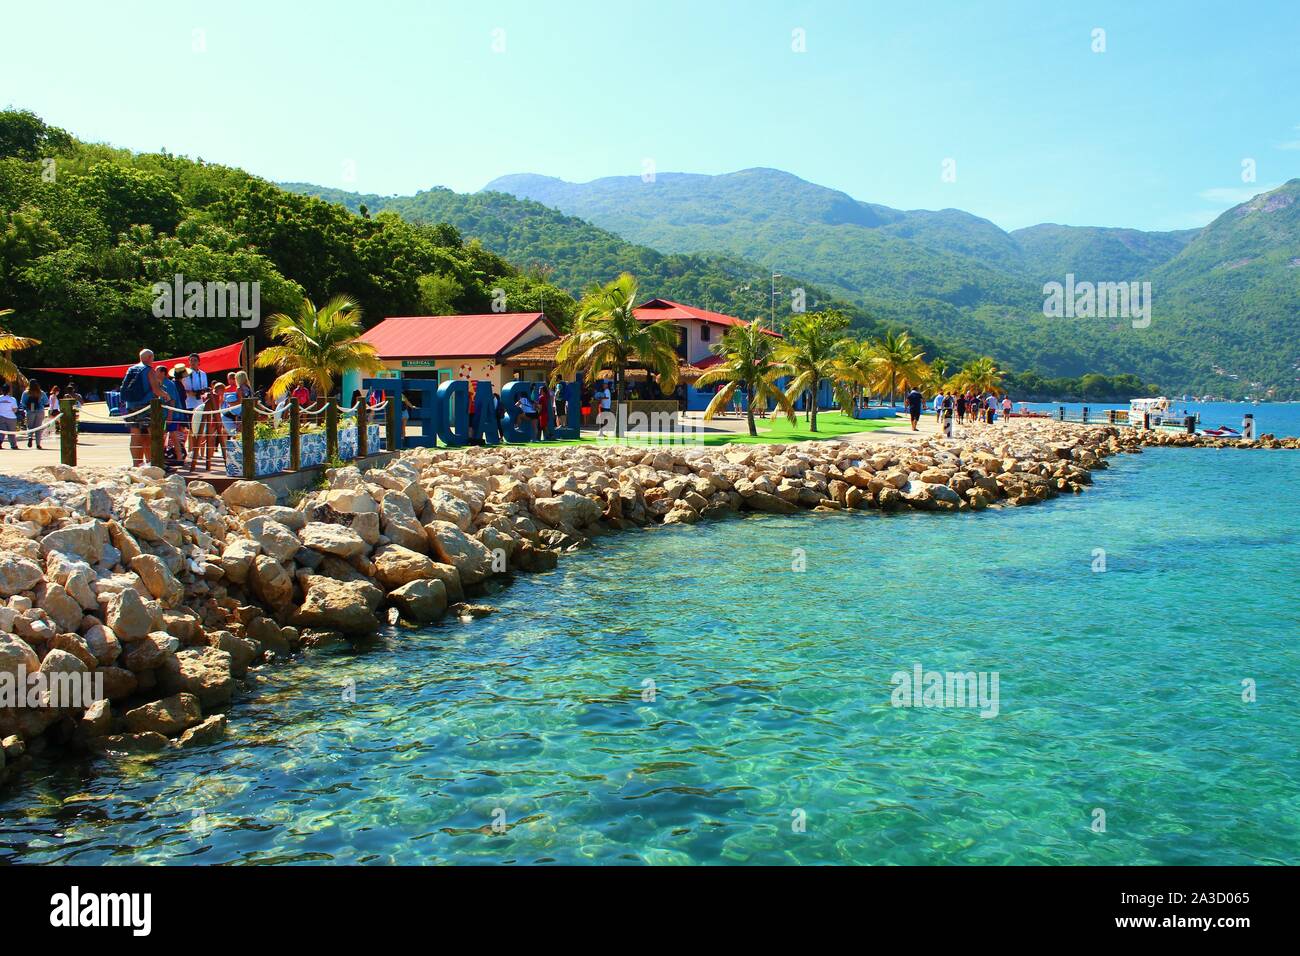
1021	112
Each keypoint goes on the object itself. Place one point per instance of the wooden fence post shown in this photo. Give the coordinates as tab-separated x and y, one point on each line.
331	430
157	433
295	436
363	420
68	431
247	431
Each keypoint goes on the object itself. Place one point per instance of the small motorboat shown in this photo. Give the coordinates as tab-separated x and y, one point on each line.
1223	431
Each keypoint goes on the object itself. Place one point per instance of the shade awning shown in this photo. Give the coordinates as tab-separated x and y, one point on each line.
213	360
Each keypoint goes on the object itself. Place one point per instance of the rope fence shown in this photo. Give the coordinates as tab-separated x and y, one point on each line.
239	424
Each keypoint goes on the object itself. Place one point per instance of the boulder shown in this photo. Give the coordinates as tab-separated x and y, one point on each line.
396	566
158	578
420	601
150	652
208	731
272	584
237	559
103	643
168	716
119	683
333	539
17	574
128	615
142	521
85	540
470	557
274	538
569	509
62	609
201	671
345	606
248	494
16	653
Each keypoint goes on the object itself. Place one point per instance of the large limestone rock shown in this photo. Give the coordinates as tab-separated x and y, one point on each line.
158	578
85	540
62	609
274	538
168	716
346	606
447	507
272	584
150	652
16	653
248	494
208	731
201	671
103	643
400	523
333	539
420	601
470	557
237	559
142	522
17	574
128	615
570	509
395	566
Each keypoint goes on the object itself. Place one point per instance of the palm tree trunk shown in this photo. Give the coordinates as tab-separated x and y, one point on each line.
749	411
619	390
812	404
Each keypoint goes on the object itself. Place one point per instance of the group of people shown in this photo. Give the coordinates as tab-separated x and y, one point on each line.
183	389
955	407
27	410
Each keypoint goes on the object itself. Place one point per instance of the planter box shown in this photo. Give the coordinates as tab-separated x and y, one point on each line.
271	455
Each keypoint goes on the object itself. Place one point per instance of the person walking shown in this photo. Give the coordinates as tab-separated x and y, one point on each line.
8	417
33	404
602	400
1006	409
938	405
914	402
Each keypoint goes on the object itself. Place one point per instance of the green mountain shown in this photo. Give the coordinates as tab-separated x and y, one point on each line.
1226	299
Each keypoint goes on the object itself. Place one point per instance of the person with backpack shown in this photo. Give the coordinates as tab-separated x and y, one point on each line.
33	406
135	394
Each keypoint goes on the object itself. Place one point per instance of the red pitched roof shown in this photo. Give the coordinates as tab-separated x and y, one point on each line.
657	310
451	336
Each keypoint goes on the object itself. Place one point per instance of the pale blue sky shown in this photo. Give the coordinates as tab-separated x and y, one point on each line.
1151	133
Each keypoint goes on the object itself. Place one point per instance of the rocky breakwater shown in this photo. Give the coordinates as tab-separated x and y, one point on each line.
173	596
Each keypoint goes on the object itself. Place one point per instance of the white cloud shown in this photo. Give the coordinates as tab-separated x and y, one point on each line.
1293	144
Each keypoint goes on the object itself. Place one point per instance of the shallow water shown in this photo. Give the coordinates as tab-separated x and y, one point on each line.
1119	690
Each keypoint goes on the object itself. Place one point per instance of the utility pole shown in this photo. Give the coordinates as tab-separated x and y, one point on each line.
775	276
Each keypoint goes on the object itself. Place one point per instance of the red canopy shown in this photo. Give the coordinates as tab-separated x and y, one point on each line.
214	360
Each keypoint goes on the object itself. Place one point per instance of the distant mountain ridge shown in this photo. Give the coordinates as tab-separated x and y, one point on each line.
951	274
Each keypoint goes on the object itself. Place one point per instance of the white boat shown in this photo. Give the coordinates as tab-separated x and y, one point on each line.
1161	413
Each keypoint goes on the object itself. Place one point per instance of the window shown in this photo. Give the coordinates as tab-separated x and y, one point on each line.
704	332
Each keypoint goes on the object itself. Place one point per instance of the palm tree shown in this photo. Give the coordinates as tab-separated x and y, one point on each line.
12	343
317	345
747	364
981	375
809	355
854	372
898	363
608	335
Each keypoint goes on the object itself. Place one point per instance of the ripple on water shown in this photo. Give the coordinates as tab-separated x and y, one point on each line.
682	696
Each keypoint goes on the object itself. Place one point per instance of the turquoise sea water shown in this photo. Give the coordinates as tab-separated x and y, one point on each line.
1280	418
1119	690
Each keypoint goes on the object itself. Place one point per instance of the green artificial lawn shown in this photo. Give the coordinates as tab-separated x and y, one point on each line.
771	431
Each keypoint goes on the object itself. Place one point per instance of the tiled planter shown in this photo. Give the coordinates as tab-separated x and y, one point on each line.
271	455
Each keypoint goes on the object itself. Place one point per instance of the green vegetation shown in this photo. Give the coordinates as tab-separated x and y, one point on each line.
749	365
809	356
86	230
1225	299
316	346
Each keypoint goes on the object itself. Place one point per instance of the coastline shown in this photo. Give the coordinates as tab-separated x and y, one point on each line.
171	594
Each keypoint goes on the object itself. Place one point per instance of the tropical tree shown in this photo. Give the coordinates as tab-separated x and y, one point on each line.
12	343
980	375
608	335
317	345
747	365
809	355
899	363
853	372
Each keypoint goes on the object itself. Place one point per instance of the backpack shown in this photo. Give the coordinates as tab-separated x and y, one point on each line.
135	388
